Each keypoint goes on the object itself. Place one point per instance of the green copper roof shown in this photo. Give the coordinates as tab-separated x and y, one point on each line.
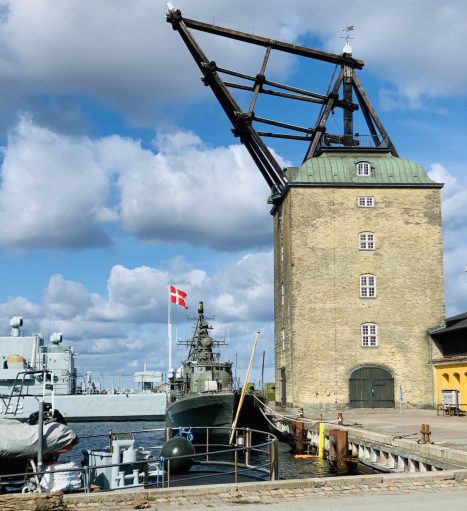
332	169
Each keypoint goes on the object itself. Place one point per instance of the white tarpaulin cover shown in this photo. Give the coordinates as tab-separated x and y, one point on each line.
19	440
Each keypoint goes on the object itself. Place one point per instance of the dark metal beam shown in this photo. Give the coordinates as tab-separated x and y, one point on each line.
320	127
294	49
259	79
267	164
283	125
364	98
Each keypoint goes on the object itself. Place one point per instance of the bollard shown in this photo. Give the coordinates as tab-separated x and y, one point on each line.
426	434
321	441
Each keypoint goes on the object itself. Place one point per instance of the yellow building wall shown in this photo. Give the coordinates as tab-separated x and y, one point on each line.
451	377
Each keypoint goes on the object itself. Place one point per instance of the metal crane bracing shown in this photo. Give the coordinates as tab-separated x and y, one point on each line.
244	122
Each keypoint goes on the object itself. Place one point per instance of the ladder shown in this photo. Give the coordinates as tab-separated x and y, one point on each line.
17	389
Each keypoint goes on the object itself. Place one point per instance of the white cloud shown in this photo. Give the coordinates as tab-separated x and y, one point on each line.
57	192
51	188
454	214
66	299
247	289
129	324
454	195
205	196
126	55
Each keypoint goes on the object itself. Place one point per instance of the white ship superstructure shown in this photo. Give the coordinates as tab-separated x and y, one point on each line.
31	370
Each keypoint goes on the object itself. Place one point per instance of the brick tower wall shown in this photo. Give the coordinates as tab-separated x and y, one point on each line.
318	309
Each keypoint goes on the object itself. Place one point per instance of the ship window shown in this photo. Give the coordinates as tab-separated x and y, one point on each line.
367	286
369	335
365	202
363	168
199	369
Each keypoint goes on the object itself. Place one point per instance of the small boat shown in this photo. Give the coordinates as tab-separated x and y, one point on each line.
19	446
202	392
20	441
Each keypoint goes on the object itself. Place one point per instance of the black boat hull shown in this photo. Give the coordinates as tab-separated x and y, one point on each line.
216	411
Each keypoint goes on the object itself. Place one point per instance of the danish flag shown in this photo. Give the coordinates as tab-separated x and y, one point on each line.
177	296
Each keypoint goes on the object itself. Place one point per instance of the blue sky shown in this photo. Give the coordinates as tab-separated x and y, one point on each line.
120	175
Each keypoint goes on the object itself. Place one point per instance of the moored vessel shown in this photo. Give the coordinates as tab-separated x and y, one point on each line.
202	391
31	370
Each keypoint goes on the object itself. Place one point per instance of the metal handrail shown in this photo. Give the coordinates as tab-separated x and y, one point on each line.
268	466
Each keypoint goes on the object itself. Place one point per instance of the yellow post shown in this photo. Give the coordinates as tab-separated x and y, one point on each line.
321	441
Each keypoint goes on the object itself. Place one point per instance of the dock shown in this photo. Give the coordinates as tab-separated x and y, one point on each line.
400	488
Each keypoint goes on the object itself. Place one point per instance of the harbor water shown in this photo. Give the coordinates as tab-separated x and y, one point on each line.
95	436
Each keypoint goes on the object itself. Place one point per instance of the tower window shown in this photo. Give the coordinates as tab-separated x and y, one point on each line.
365	202
366	241
363	168
369	335
367	286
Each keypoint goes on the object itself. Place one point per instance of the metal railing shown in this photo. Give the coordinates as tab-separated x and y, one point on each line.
254	456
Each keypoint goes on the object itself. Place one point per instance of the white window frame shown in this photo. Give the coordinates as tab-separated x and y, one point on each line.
363	168
366	240
366	202
369	333
367	286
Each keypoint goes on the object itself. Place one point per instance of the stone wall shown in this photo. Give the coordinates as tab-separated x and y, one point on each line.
317	295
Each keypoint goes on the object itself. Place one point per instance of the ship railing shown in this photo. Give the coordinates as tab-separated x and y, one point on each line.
254	456
13	405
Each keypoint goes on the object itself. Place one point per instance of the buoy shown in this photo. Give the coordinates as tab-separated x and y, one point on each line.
178	446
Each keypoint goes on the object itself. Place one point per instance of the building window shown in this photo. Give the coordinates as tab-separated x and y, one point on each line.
366	241
366	202
363	168
367	286
369	335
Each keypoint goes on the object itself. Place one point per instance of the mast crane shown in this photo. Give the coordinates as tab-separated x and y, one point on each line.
244	122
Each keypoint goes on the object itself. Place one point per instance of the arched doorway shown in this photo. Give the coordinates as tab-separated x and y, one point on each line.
371	387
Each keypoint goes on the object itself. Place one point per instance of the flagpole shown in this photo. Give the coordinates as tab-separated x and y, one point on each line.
169	327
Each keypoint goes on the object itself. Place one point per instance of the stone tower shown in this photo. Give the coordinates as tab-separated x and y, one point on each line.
357	232
358	281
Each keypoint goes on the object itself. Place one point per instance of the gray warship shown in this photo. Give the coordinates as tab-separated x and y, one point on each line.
31	370
202	392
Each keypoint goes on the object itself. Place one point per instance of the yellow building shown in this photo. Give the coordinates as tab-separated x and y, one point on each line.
450	369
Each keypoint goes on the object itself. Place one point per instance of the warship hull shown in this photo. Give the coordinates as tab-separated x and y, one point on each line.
215	411
93	407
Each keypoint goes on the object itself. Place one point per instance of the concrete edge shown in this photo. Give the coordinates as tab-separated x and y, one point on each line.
116	496
436	452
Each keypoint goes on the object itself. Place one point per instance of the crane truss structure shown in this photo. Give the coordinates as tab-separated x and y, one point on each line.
245	122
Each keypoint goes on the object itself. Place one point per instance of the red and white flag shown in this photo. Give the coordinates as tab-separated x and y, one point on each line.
177	296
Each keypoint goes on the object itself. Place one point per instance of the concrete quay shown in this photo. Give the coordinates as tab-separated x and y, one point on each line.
387	439
282	495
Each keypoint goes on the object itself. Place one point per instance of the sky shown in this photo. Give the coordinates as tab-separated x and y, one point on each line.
119	173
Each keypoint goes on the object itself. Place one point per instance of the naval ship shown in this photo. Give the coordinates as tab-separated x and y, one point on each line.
202	392
31	370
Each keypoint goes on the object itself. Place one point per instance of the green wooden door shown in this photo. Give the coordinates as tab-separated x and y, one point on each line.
371	387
